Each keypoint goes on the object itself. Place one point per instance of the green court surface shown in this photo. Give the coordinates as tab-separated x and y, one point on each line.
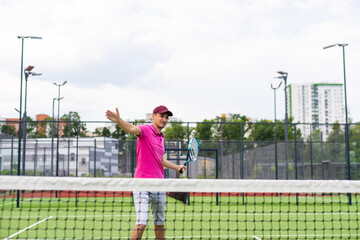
228	217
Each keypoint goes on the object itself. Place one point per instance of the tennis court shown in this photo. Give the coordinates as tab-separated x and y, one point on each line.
228	215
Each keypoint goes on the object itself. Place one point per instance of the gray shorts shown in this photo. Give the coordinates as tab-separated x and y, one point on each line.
157	202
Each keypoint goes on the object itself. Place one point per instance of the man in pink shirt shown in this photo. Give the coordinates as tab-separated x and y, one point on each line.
150	164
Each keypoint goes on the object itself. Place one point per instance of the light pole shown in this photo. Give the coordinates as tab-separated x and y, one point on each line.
20	111
69	141
58	124
27	73
52	137
343	45
276	160
284	76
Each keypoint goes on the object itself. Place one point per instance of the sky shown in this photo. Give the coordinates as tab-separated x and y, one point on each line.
199	58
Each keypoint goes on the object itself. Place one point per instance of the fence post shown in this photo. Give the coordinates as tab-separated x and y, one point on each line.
295	152
242	152
35	156
69	133
77	159
311	157
276	156
217	174
52	147
188	132
44	169
12	155
132	156
77	149
24	145
233	159
109	166
94	157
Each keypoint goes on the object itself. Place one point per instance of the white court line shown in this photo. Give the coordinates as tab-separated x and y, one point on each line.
8	204
28	228
257	238
23	200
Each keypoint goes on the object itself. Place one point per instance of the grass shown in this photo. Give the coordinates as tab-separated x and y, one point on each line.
248	217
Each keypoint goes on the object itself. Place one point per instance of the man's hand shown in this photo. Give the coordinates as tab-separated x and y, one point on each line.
112	116
182	168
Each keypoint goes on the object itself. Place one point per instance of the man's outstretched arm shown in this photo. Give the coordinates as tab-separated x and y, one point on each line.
124	125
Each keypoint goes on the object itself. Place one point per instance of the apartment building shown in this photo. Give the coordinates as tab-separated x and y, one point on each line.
316	106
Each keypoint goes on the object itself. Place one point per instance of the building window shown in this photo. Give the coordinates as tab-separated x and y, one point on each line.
83	161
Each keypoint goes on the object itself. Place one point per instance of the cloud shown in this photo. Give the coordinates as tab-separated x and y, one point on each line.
201	58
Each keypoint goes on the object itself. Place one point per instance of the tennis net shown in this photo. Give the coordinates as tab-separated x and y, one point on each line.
103	208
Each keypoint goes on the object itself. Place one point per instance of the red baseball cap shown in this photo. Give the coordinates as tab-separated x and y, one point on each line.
162	109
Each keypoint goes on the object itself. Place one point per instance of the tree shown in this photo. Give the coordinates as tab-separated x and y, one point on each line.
106	132
203	130
175	131
336	135
75	124
31	127
355	142
312	151
97	133
37	134
119	133
335	145
355	149
280	130
52	126
232	129
8	129
263	130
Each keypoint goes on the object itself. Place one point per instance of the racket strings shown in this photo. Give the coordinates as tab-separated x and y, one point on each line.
193	149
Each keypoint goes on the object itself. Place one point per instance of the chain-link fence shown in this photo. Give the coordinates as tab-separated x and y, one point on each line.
228	150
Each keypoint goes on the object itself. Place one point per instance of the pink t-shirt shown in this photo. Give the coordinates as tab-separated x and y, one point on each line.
150	150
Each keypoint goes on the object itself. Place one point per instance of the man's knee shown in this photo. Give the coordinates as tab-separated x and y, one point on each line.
137	232
140	227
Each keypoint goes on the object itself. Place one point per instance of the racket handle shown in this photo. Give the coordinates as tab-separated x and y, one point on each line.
181	170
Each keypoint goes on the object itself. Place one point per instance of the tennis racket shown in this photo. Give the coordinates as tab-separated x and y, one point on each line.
192	152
